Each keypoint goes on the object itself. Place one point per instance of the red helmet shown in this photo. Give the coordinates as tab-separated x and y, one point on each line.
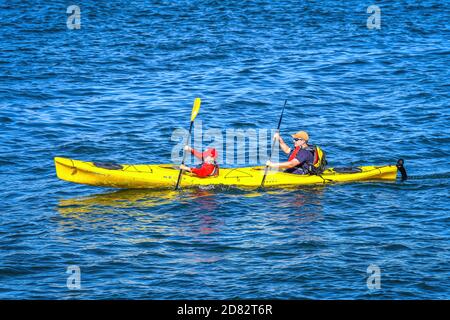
210	153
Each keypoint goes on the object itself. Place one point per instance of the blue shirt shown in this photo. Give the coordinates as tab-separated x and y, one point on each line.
305	157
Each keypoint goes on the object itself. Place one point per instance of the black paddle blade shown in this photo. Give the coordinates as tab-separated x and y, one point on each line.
402	169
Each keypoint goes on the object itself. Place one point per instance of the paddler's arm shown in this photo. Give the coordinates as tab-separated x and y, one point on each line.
200	172
283	165
286	149
196	154
185	168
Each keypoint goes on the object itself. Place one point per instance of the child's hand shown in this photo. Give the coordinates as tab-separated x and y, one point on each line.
183	167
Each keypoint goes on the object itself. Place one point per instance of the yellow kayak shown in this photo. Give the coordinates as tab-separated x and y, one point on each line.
164	176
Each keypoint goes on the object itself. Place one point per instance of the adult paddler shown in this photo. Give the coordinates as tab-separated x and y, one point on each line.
301	159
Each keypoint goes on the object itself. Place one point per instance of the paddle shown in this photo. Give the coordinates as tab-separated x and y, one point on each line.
273	145
195	110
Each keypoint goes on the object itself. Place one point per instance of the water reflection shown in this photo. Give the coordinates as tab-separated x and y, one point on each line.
152	205
302	200
145	210
197	225
297	211
105	202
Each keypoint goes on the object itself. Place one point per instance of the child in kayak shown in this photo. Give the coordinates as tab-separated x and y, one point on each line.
208	167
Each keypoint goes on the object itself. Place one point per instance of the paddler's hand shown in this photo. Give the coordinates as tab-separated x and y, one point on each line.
270	164
187	148
276	136
183	167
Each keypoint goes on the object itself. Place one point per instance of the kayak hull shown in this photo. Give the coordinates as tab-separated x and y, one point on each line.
164	176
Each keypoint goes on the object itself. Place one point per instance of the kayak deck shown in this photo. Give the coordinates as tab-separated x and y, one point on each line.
164	176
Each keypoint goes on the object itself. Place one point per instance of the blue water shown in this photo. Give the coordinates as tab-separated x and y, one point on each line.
117	88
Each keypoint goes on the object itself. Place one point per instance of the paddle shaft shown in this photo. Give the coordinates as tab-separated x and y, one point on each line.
184	156
273	145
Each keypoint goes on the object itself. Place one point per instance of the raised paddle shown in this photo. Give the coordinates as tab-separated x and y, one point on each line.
273	145
195	110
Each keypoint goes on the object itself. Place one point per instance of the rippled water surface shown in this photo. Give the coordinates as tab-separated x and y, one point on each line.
117	88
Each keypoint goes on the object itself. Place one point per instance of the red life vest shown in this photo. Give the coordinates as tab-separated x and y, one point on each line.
297	149
294	153
206	170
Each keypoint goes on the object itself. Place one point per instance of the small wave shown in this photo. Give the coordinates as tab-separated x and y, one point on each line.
445	175
6	120
396	247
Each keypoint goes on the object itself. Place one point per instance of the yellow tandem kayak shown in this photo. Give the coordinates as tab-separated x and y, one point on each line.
164	176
